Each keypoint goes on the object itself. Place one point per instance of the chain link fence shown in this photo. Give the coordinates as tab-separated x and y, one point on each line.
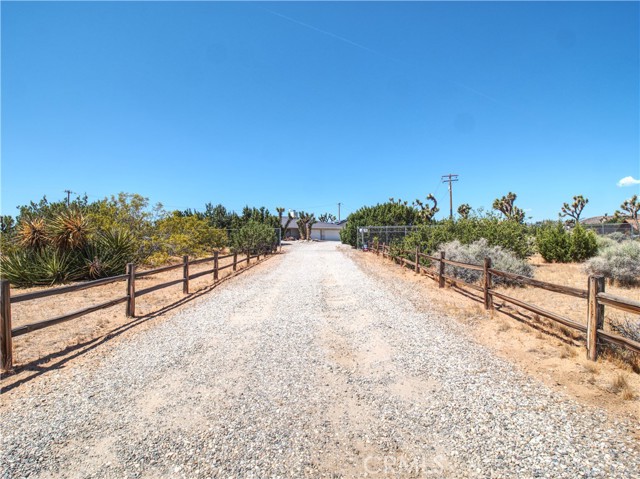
610	228
367	235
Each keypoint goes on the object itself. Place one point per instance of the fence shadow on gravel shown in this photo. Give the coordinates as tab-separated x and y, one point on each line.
71	352
593	328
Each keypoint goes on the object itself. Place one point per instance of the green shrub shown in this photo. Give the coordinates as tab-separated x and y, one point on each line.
553	243
178	235
557	245
619	262
384	214
475	253
254	237
583	244
509	235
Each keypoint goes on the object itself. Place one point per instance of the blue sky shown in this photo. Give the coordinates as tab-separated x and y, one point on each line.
305	105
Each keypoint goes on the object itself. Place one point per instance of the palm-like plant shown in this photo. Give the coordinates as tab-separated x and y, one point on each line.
32	234
69	230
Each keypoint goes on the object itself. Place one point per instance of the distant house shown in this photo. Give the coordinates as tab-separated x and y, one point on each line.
600	224
319	231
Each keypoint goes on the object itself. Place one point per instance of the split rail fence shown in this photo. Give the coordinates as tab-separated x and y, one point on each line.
595	294
7	333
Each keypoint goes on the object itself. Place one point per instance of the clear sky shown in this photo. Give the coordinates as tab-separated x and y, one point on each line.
304	105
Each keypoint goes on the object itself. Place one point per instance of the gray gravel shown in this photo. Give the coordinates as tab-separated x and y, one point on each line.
306	366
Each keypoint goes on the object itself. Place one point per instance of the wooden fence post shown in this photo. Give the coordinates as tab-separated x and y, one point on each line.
441	271
215	266
235	260
417	265
488	299
131	290
248	257
595	315
185	274
6	340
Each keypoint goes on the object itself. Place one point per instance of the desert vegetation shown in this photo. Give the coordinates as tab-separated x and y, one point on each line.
504	227
55	242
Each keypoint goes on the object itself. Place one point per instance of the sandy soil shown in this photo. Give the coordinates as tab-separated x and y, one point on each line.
57	341
534	346
570	274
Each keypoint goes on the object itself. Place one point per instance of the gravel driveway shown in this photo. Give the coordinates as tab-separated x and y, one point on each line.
305	367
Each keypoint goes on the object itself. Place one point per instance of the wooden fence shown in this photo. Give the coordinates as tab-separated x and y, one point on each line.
595	294
7	333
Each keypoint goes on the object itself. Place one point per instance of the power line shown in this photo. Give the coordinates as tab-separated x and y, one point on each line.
450	178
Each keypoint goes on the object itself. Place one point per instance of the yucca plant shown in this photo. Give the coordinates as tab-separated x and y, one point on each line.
69	230
40	267
108	253
32	234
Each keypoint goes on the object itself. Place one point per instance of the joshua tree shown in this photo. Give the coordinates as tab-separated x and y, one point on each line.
464	210
632	206
326	218
574	210
305	223
425	211
505	205
284	227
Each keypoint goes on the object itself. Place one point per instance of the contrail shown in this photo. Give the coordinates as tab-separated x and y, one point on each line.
365	48
332	35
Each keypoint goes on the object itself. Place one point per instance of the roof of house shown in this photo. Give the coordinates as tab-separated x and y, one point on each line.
595	220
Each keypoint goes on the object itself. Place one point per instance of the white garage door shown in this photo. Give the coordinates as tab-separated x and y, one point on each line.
331	235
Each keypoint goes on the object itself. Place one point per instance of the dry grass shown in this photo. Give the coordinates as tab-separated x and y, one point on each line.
567	352
621	386
591	367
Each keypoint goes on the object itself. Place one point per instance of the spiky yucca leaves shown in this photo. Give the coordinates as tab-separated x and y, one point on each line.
32	234
69	230
109	253
42	267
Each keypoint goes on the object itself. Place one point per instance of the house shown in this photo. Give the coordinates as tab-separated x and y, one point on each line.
319	231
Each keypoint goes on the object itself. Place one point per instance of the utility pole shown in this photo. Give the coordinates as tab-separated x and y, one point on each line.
68	192
339	204
450	178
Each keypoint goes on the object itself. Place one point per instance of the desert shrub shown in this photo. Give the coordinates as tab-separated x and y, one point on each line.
619	262
384	214
509	235
553	243
177	235
475	253
557	245
604	242
582	244
253	237
617	236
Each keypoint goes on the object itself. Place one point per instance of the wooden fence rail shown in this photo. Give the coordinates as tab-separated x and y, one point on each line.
595	294
7	333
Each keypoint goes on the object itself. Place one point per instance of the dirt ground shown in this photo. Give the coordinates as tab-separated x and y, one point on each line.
534	345
47	344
